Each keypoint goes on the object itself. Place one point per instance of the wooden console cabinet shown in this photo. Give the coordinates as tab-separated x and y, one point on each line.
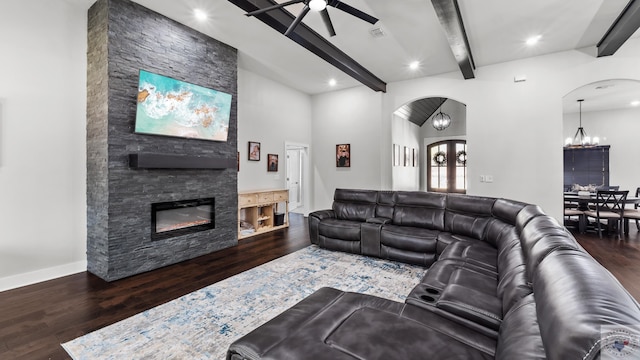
264	211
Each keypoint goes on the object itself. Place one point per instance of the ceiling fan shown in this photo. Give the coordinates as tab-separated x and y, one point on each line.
317	5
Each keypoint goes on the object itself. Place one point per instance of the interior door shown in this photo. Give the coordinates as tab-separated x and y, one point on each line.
294	177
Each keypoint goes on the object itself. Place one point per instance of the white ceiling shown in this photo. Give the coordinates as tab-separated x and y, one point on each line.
603	95
497	30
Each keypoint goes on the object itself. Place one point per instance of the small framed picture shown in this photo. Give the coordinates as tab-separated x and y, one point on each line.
343	155
238	159
396	155
272	162
254	151
406	156
414	157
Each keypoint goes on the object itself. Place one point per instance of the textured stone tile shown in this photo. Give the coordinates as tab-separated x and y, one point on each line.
124	38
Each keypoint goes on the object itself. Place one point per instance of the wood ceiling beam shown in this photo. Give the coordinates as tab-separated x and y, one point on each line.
448	13
280	19
625	25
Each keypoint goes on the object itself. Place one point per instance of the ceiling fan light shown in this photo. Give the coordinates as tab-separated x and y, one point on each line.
317	5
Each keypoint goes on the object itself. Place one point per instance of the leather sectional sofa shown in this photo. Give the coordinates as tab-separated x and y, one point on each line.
504	281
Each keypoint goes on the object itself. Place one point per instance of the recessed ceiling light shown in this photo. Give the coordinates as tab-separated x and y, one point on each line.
200	15
332	82
414	65
635	103
533	40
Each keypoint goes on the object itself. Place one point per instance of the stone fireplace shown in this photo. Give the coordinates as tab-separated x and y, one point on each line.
123	175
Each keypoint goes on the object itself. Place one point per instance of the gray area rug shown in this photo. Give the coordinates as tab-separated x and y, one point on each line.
202	324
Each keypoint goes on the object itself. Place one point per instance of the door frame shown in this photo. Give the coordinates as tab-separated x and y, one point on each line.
305	182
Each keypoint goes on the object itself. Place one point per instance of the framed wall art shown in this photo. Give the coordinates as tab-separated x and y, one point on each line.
414	157
396	155
343	155
272	162
406	156
254	151
171	107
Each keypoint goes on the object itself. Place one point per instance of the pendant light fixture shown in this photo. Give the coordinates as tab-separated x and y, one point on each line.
581	139
441	121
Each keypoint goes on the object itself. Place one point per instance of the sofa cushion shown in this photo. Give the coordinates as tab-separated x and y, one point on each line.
472	304
439	274
507	210
446	238
542	236
409	238
355	205
420	209
385	204
340	229
476	252
468	215
525	215
519	336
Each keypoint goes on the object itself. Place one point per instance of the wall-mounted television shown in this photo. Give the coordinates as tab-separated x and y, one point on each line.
171	107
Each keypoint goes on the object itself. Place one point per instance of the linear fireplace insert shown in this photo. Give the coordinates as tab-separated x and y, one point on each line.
175	218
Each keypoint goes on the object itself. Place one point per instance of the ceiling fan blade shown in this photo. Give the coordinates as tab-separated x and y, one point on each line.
297	20
352	11
327	22
269	8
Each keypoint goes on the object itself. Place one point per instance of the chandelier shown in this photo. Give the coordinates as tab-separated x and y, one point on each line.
441	121
581	139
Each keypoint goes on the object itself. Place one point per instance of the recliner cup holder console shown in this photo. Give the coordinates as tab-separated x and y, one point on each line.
426	295
427	298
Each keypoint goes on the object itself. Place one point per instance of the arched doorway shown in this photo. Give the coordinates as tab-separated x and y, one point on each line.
413	130
610	112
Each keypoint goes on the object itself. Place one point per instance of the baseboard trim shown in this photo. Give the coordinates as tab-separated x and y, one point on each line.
33	277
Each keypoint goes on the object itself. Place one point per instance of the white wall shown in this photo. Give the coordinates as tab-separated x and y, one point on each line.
514	130
406	134
269	113
351	116
620	129
42	141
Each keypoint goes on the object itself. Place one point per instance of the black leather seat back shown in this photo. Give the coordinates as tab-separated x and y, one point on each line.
527	214
468	215
575	297
420	209
355	205
385	204
541	236
519	336
507	210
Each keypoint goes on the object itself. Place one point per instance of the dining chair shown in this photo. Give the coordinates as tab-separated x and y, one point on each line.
609	208
632	214
571	212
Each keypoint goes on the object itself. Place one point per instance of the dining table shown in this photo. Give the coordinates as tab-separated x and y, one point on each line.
584	199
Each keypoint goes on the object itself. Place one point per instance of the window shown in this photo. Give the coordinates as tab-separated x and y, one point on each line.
447	170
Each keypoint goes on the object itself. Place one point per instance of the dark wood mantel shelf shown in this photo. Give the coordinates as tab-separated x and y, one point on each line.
167	161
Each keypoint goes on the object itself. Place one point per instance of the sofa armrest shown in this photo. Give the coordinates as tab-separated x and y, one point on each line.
323	214
314	220
379	220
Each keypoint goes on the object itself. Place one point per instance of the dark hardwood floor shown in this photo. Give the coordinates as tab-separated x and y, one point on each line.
36	319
